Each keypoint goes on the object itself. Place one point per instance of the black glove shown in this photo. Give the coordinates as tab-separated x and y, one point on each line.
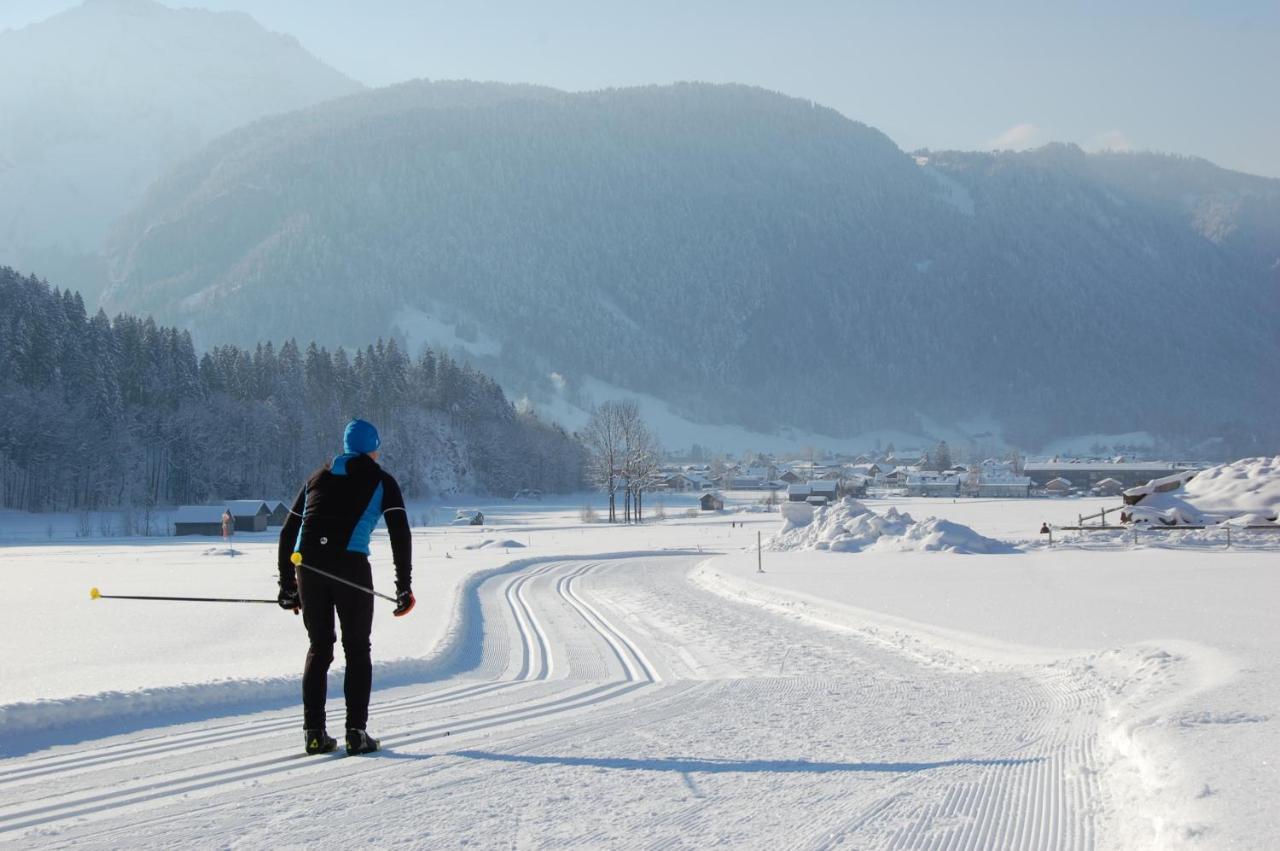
288	597
404	602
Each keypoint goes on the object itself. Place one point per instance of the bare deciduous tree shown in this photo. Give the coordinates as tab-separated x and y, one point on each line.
623	455
603	438
643	465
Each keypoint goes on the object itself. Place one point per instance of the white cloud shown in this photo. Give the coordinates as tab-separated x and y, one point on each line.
1020	137
1109	140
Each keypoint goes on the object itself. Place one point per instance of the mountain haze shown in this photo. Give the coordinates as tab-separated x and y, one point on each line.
98	101
749	257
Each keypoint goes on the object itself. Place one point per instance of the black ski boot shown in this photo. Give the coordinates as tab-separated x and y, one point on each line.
358	742
318	741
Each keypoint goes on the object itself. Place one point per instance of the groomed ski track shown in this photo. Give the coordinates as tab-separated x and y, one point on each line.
615	704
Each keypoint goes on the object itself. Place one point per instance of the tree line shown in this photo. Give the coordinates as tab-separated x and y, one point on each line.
102	413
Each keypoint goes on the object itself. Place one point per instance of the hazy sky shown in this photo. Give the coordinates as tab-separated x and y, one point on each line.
1190	78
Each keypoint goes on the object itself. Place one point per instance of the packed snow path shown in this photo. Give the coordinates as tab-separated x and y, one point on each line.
615	703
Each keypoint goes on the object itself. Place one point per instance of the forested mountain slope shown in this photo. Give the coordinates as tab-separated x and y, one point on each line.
750	257
97	413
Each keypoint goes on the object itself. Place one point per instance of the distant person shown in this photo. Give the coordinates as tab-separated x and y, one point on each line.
329	525
228	529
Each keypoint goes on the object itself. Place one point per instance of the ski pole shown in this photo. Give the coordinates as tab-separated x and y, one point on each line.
95	594
296	558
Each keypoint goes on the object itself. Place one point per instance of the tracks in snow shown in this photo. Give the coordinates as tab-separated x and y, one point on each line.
671	716
39	790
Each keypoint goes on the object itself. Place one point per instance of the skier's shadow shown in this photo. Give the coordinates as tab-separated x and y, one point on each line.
685	766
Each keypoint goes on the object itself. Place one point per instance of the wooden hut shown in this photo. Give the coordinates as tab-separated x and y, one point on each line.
1058	485
1108	487
251	515
198	520
279	513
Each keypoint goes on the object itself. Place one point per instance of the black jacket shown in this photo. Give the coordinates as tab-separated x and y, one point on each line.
336	511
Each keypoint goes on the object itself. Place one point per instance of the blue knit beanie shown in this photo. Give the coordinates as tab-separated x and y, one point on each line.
360	438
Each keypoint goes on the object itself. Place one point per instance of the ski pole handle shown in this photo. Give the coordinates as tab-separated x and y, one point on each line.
296	558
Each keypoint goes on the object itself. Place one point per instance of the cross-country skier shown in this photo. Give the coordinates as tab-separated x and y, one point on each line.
329	525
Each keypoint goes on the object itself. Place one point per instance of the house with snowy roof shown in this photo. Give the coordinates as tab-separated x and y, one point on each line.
679	482
711	501
815	493
198	520
854	485
1107	487
1058	486
993	480
906	458
897	476
750	483
250	515
872	471
928	483
1084	474
1004	487
279	513
763	472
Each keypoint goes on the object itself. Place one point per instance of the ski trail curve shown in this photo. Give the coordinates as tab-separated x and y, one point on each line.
613	703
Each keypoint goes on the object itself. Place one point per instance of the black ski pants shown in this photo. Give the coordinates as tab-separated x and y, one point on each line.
321	599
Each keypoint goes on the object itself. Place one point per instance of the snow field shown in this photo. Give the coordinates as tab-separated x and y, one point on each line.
588	733
1180	646
1050	699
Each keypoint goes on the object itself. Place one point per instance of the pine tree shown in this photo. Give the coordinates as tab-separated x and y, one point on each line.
942	456
129	415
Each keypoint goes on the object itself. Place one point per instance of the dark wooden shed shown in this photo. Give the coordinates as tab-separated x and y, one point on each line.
279	513
251	515
198	520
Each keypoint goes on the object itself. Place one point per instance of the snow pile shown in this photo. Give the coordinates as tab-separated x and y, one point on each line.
1245	491
495	544
937	535
849	526
1247	486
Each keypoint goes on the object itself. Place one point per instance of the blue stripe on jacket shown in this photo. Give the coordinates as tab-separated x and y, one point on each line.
359	542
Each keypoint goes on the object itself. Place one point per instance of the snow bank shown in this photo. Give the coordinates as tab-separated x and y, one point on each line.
495	544
849	526
1248	489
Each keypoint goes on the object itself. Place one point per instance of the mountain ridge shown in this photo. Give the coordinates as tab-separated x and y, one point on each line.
750	257
102	98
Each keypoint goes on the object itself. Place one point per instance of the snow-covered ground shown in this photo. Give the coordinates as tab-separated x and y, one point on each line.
572	684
